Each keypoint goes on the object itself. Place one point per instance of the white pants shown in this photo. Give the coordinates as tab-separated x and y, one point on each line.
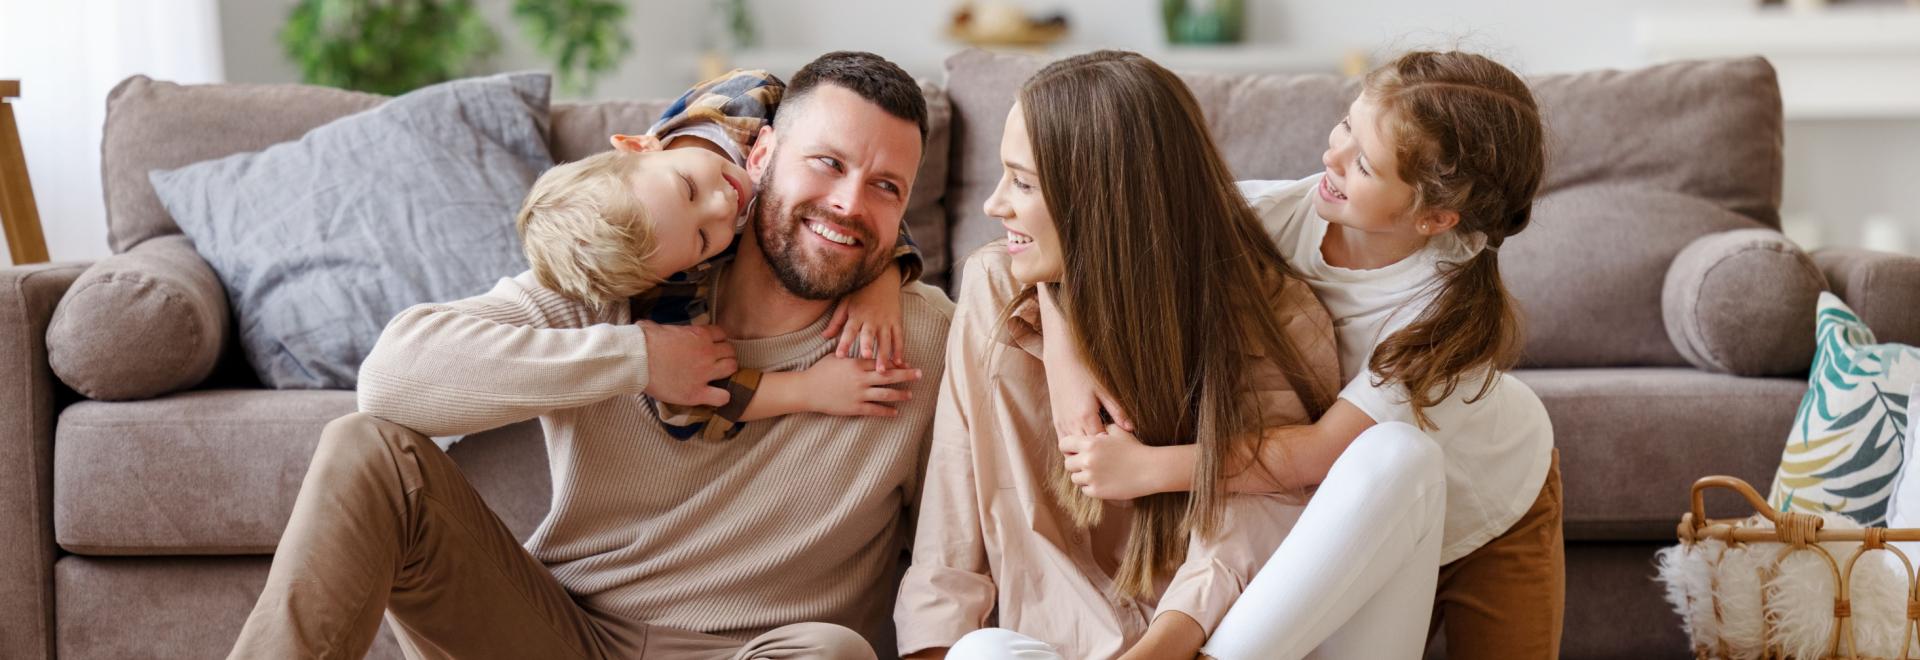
1354	579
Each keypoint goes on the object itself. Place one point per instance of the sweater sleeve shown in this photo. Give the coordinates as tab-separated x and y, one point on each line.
507	355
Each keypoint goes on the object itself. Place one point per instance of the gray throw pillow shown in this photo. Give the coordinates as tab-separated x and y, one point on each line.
320	241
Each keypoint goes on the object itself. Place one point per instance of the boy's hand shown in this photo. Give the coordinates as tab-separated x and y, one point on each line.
1113	465
850	387
868	323
1075	398
682	359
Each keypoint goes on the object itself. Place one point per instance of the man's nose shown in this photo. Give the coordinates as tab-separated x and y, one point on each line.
845	199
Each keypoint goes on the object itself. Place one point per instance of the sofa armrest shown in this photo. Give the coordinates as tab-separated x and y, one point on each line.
28	295
1882	287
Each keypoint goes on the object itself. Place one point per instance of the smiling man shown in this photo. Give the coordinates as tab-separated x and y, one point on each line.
781	541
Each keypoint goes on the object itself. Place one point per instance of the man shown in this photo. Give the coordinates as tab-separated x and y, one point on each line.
783	541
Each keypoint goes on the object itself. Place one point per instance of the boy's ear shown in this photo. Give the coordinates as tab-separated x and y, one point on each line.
762	153
1435	223
635	143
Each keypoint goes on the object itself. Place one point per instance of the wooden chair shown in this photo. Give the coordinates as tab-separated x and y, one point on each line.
18	215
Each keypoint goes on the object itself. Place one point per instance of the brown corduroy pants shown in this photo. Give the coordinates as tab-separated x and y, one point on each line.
1506	600
386	523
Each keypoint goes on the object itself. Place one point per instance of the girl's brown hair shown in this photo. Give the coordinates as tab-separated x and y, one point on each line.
1168	284
1468	137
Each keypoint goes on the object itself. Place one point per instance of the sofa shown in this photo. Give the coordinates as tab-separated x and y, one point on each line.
1662	307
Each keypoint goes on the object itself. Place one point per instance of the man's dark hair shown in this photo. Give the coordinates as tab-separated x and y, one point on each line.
875	79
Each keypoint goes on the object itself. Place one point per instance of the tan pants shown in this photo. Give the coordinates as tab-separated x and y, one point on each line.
1506	600
386	522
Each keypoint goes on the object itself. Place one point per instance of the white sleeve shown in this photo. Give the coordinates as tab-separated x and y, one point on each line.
1385	402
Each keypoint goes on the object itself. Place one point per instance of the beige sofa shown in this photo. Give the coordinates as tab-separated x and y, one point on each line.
143	528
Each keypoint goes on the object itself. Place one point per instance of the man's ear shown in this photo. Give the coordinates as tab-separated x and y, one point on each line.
635	143
1435	223
761	156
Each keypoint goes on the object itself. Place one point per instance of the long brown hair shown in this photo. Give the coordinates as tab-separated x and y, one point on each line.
1168	278
1468	136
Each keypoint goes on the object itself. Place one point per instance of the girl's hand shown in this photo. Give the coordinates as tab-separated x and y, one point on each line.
868	323
1114	465
849	387
1076	399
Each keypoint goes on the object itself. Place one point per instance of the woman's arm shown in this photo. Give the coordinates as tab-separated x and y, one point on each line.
1171	635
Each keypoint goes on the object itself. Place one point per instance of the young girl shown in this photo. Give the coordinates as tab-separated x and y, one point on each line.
1434	167
1117	206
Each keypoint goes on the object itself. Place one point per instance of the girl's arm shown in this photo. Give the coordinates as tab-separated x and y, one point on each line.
835	386
1171	635
1115	465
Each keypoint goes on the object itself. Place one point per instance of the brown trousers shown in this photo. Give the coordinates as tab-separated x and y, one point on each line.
386	523
1506	600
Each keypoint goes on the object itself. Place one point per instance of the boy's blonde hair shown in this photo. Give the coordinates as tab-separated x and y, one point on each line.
585	233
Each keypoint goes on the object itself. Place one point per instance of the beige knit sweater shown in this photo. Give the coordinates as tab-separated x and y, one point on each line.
798	518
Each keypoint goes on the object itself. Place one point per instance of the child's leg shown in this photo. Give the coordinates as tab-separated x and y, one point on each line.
1354	578
1506	599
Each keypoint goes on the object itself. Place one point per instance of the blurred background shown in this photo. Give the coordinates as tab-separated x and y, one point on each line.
1849	69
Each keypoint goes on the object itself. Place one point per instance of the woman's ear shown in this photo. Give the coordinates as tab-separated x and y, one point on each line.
1435	223
761	155
635	143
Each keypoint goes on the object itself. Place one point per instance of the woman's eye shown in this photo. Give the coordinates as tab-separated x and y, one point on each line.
1022	186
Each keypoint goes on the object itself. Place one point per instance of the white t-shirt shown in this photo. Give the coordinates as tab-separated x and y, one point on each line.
1497	448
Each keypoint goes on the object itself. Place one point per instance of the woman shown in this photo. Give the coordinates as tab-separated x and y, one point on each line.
1127	238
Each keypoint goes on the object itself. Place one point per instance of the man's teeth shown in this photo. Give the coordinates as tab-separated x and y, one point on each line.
831	235
1018	239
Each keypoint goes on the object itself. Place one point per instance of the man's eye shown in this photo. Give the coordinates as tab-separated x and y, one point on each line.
829	162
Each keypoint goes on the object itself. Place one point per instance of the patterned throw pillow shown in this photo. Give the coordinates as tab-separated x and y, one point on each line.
1848	439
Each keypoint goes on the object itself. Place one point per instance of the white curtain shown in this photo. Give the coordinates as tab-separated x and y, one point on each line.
67	55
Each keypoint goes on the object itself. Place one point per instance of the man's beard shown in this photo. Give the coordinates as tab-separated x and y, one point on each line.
802	271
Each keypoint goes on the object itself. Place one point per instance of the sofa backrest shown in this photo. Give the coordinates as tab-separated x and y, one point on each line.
161	125
1640	164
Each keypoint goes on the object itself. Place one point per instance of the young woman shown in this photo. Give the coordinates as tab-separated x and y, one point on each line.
1435	165
1121	214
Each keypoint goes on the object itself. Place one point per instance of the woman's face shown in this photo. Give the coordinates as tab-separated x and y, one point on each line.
1018	204
1362	188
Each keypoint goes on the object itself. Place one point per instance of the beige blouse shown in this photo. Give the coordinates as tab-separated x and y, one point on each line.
993	547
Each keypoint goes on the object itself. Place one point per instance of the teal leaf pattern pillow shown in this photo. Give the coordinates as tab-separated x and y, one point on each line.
1850	436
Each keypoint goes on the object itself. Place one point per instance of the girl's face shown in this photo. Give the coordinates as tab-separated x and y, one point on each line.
1017	203
1362	188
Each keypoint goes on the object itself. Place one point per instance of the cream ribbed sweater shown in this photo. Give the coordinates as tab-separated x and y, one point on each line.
798	518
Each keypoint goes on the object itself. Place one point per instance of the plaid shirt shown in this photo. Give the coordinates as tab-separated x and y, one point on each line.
729	110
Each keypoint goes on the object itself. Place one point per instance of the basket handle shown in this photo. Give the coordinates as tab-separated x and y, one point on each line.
1759	504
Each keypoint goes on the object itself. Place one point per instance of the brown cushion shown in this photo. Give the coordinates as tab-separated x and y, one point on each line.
1883	288
139	324
216	471
161	125
1640	164
1742	303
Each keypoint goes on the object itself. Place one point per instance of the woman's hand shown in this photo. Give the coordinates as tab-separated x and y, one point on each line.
1115	465
868	323
850	387
1076	399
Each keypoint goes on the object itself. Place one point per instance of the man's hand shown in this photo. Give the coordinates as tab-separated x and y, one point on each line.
1076	399
1115	465
850	387
683	359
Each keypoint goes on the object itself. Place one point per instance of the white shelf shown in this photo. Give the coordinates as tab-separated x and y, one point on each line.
1840	63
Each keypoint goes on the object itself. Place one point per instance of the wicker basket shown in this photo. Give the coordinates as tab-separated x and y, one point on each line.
1800	532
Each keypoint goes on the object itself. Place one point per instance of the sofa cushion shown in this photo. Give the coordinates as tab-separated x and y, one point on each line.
161	125
1632	442
320	241
1741	303
217	471
141	323
1619	201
